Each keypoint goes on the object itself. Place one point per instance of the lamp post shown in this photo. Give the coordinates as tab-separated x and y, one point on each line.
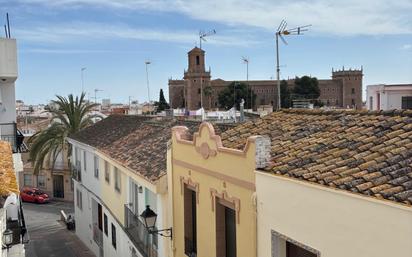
147	80
149	217
82	76
7	238
246	61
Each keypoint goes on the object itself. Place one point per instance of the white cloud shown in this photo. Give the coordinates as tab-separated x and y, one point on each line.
350	17
68	32
406	47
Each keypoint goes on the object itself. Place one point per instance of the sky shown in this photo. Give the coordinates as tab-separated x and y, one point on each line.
112	39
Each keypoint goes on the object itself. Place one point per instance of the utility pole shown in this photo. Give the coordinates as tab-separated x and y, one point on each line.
285	32
246	61
82	77
147	80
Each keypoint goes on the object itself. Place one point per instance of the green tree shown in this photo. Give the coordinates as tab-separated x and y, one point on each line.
306	87
285	100
234	93
69	115
162	104
207	91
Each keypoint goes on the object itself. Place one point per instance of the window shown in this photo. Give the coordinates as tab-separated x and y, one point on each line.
353	102
117	179
106	228
79	200
100	217
406	102
225	229
41	181
114	236
190	227
198	91
283	246
106	172
353	90
84	161
197	60
28	180
370	102
96	167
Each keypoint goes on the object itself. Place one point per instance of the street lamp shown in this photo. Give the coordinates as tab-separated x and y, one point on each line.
82	76
149	217
8	238
147	80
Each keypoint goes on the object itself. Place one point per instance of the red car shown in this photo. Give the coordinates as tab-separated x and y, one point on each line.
34	195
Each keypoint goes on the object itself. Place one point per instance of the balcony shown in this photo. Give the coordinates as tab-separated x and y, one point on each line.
146	243
17	224
97	235
76	173
10	133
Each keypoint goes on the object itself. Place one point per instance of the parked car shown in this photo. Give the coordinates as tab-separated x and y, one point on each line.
34	195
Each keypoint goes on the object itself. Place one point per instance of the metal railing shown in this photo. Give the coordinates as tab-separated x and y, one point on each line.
76	173
97	235
139	235
10	133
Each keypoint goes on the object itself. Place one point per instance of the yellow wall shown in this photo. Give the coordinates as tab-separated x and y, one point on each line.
334	222
230	171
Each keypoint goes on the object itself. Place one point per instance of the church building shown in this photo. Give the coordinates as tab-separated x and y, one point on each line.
344	90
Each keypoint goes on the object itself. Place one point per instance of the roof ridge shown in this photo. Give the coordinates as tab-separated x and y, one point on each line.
390	113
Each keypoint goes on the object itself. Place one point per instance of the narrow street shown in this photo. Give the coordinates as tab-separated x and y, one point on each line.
48	236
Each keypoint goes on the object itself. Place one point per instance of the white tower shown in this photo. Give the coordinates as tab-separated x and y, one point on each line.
8	76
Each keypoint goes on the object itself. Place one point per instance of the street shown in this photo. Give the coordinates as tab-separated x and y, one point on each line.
48	236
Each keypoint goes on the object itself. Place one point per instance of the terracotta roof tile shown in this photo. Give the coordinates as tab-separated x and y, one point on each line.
364	152
8	180
136	142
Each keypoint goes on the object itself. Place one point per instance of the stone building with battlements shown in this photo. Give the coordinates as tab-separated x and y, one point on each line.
343	90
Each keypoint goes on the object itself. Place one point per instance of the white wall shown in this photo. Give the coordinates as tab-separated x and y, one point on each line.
8	75
336	223
92	189
390	96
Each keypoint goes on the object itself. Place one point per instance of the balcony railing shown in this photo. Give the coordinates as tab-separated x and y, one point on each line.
137	232
76	173
10	133
97	235
18	227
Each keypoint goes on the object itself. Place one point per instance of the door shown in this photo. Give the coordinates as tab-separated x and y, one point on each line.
58	186
230	229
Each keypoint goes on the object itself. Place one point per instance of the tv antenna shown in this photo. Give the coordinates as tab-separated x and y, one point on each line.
203	35
7	26
283	31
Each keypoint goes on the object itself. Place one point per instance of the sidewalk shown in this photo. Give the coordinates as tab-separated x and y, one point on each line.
49	236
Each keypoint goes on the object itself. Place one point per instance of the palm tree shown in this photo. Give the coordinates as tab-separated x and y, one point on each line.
69	115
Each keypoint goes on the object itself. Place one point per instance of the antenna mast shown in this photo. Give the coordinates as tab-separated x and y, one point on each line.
285	32
203	34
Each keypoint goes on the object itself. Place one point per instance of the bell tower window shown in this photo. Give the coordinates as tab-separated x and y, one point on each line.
197	60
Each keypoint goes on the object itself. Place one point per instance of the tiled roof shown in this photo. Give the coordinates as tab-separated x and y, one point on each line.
8	182
362	152
137	142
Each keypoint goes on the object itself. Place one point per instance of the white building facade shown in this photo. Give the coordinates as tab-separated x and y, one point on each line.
389	97
109	198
